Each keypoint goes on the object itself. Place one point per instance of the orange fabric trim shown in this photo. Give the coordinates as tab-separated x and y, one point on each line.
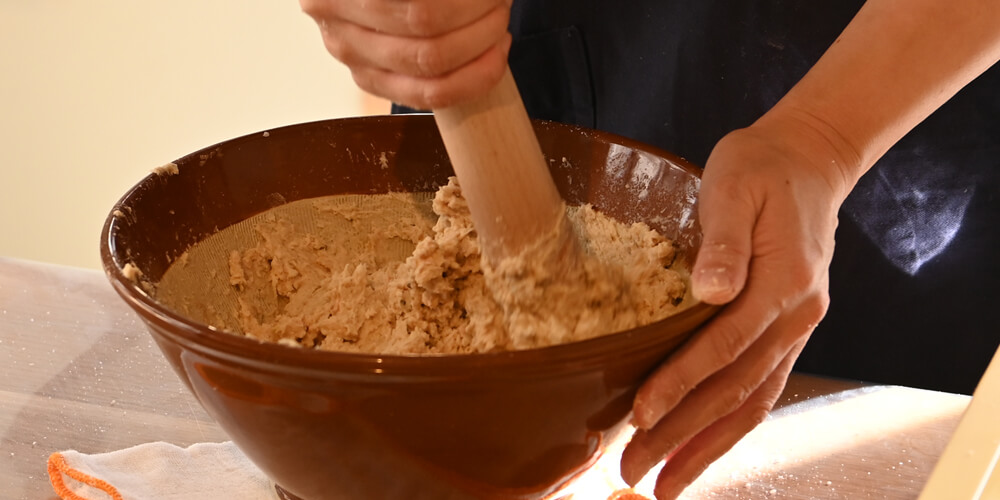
627	494
58	467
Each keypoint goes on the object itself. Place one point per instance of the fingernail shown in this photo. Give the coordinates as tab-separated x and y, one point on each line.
630	478
636	460
641	416
667	489
712	283
632	475
633	456
646	412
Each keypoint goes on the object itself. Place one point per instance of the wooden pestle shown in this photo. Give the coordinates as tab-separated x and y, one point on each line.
495	154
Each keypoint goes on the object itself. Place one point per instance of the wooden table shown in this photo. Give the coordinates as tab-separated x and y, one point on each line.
78	371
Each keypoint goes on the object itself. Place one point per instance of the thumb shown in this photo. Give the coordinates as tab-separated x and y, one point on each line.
720	269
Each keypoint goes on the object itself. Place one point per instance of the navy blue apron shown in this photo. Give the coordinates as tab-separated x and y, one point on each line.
916	271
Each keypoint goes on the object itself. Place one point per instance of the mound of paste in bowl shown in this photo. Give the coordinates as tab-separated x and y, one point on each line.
401	273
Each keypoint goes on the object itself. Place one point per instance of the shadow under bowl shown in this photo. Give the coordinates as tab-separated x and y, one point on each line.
341	425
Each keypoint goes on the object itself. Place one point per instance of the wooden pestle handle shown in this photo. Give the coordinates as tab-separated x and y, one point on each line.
505	180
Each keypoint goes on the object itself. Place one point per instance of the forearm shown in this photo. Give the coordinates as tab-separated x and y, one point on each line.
897	62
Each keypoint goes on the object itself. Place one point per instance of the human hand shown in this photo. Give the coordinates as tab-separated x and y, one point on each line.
425	54
768	208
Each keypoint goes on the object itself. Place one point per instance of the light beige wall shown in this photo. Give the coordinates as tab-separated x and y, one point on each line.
94	94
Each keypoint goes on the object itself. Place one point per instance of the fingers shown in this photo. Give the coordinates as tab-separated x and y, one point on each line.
727	221
407	18
359	46
464	84
725	379
714	347
425	54
684	466
719	395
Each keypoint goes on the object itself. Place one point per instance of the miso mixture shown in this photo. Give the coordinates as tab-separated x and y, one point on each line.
401	274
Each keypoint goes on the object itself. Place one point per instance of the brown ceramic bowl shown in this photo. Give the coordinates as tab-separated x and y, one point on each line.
338	425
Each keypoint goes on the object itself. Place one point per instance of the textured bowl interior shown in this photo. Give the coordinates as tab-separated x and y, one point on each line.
337	425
